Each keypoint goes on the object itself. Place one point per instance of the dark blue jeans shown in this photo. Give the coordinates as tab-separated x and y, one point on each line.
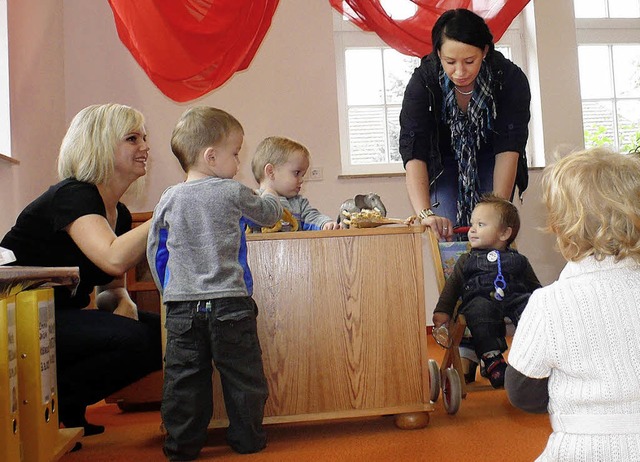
445	190
223	332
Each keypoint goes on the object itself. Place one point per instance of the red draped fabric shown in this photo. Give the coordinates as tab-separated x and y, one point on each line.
190	47
412	36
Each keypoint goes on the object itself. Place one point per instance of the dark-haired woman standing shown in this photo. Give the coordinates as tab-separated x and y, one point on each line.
463	124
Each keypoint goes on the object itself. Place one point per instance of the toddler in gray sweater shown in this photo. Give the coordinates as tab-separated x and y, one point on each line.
197	253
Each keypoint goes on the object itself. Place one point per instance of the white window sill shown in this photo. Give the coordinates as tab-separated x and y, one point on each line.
353	176
356	176
8	159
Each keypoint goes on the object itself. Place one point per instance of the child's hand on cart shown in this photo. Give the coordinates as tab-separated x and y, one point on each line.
440	330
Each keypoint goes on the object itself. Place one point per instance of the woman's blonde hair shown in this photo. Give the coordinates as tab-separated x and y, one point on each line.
593	203
274	150
200	128
88	149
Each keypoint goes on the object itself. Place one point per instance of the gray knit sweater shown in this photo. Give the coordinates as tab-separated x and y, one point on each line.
196	247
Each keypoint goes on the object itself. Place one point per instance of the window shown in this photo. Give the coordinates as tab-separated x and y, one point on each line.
371	81
608	33
5	120
375	82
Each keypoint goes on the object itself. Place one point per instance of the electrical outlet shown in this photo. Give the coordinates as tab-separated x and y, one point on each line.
315	174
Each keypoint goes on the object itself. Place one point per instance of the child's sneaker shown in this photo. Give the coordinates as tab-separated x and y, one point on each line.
495	368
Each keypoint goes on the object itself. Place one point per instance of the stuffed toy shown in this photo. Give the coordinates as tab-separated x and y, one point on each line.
359	203
367	211
372	219
287	218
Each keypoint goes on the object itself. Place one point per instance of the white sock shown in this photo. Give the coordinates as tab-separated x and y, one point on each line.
491	354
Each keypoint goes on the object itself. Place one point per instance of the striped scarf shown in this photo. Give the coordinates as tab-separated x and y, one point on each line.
467	131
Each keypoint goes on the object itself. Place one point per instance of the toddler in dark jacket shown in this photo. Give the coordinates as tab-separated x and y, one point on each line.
492	280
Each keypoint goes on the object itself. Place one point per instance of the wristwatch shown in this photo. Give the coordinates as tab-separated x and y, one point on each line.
426	213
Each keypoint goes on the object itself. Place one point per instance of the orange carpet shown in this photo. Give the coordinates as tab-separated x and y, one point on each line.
486	428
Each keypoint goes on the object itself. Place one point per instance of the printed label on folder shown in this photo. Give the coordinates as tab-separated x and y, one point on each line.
52	346
45	365
13	356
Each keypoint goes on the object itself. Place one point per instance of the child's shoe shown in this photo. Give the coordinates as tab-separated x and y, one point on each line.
470	374
495	369
469	359
483	369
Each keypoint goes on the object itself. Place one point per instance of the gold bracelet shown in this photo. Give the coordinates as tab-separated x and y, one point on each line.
426	213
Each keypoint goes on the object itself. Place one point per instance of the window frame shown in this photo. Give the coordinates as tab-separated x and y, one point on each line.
607	32
346	36
5	106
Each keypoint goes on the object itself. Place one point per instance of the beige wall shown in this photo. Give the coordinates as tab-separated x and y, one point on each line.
65	55
37	99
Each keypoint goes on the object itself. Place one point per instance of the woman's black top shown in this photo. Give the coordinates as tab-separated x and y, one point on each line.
39	238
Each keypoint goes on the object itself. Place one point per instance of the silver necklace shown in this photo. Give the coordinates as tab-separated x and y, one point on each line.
465	93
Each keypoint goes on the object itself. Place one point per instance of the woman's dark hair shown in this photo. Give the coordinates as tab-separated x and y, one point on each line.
463	26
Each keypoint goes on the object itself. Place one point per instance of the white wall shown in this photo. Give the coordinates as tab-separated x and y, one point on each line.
66	55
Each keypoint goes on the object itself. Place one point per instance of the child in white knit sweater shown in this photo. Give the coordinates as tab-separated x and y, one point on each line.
575	353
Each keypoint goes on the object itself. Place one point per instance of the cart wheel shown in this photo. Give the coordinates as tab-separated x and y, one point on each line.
434	380
451	391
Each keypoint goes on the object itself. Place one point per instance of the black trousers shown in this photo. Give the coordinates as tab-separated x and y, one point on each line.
485	320
222	331
98	353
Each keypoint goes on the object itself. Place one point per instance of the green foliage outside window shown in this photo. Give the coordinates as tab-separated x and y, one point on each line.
601	136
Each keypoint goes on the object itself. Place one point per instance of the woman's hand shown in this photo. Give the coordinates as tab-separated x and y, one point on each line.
108	300
115	298
440	225
417	180
127	308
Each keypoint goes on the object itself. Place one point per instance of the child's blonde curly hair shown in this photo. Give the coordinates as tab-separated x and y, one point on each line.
593	202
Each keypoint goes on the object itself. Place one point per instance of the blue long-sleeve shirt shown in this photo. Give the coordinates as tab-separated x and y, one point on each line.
309	218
